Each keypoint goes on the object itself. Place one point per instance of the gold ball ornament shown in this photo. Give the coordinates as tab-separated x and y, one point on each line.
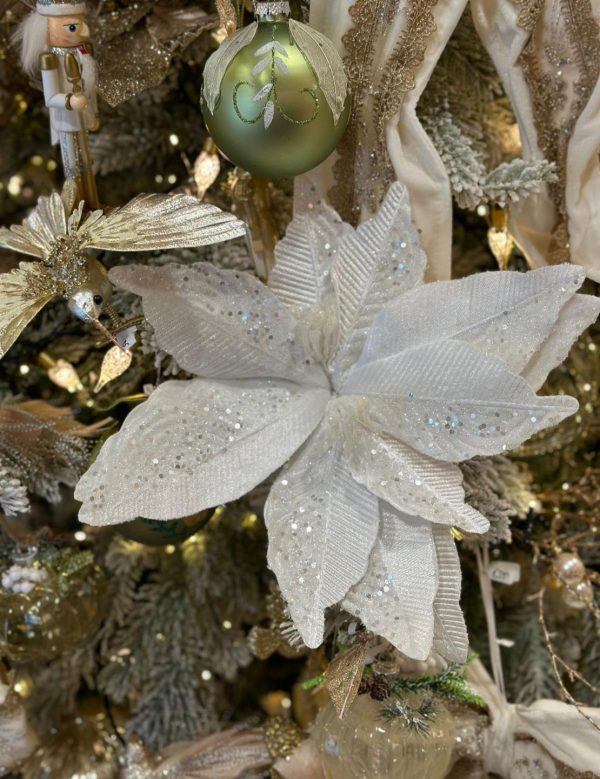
158	532
49	604
367	744
275	97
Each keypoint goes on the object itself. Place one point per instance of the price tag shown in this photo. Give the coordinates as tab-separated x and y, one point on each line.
504	572
126	338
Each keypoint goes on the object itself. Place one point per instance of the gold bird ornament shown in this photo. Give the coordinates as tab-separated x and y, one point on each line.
59	235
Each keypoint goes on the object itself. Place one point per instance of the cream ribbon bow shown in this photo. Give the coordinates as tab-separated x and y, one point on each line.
556	726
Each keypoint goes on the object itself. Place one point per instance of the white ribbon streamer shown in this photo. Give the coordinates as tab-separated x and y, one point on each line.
556	726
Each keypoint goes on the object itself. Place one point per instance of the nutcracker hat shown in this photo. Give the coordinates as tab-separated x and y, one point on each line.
59	7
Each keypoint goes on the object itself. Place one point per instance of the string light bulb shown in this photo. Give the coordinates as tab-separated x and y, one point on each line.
206	168
500	241
61	373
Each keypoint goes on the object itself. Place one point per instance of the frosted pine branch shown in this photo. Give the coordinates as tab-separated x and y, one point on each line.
517	179
499	489
461	158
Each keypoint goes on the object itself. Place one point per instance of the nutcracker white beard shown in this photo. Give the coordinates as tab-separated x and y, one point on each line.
31	36
88	71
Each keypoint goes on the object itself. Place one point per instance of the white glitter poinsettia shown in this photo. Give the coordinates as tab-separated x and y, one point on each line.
367	387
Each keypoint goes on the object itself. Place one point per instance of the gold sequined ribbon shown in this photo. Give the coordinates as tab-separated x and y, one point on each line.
363	170
561	65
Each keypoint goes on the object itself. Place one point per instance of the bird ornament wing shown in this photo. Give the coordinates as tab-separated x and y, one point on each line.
20	301
159	221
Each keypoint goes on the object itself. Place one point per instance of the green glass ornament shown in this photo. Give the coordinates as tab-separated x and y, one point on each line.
158	532
275	96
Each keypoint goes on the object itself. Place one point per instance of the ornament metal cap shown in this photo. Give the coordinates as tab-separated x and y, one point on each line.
271	7
59	7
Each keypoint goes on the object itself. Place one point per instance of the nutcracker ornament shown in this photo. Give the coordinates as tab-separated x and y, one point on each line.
275	95
54	45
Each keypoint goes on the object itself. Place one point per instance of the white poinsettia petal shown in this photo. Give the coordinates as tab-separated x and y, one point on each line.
504	314
302	273
322	525
196	444
451	402
412	482
578	314
396	596
373	265
228	325
450	638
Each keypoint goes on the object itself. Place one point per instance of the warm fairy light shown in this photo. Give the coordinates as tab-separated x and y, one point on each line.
158	178
24	369
80	535
249	521
170	549
64	375
37	161
219	35
174	139
22	688
482	210
15	184
51	165
286	703
206	675
172	178
206	168
501	245
227	624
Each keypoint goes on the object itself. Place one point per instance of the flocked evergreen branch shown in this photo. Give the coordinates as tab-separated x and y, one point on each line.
517	179
500	489
174	635
461	157
451	684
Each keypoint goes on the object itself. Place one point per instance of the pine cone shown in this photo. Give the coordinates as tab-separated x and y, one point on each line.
364	687
380	688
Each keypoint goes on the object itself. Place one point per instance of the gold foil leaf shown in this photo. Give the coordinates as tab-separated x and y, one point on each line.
343	677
